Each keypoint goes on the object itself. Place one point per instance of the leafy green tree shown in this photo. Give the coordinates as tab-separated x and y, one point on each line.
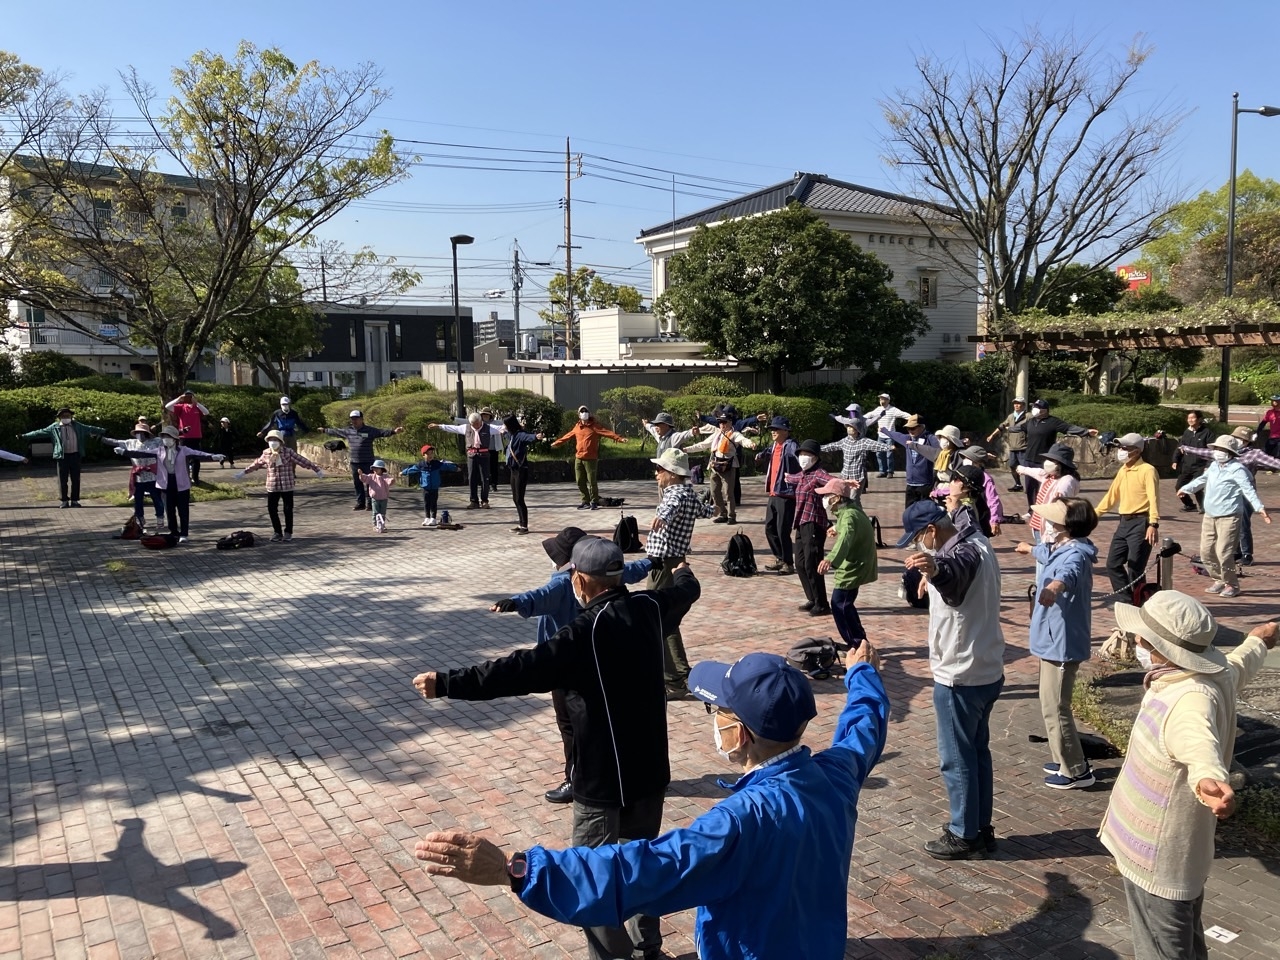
283	330
590	292
269	152
787	292
1202	271
1084	289
1188	224
40	368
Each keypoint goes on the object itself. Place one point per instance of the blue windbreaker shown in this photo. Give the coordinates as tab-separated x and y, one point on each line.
428	472
554	604
767	868
1063	632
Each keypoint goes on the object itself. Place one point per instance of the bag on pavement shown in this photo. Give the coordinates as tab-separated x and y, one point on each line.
627	535
132	530
160	541
740	557
816	657
234	541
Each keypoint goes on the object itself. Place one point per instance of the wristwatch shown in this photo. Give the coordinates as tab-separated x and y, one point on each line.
517	870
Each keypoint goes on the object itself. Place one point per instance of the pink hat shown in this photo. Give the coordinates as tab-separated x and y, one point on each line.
837	486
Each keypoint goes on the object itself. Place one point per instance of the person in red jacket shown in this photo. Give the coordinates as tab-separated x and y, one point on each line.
586	434
188	416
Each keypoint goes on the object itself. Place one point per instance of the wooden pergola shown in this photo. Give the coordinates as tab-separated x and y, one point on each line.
1088	341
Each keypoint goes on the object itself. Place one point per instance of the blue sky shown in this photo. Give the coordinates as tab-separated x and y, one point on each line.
746	92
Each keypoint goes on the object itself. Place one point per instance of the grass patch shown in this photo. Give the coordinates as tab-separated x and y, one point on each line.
1258	811
116	566
35	491
1088	704
202	492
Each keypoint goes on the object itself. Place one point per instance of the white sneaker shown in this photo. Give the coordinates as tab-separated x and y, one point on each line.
426	522
182	539
433	522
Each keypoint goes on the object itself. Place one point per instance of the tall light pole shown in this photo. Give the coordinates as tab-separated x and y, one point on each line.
1224	375
454	242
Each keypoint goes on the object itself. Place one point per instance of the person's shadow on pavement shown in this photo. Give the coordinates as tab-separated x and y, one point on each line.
130	870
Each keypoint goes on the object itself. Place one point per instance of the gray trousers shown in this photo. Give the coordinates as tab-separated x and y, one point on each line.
597	826
675	661
1165	929
1057	680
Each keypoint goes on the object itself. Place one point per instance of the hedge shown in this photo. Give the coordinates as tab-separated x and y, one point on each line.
809	418
1206	391
30	408
1123	418
415	409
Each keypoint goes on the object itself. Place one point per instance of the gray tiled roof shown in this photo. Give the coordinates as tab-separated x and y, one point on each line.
815	191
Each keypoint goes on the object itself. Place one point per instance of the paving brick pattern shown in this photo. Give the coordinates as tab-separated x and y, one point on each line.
219	754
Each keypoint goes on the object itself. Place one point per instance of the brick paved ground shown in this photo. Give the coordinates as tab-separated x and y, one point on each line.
211	754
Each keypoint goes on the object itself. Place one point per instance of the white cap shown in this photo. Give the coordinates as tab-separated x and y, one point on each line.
225	420
884	396
284	400
355	413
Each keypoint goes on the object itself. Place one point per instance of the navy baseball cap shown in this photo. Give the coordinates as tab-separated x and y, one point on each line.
771	697
780	423
918	516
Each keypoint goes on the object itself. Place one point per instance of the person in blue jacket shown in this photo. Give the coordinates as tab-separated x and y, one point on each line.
767	868
555	606
919	466
428	471
1061	631
288	422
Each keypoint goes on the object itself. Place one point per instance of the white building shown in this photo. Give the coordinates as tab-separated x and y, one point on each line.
886	224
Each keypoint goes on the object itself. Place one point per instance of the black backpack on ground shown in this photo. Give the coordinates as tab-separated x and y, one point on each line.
816	657
627	535
740	558
234	541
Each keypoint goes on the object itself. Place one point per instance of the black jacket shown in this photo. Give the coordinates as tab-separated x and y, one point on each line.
609	661
1191	467
1042	433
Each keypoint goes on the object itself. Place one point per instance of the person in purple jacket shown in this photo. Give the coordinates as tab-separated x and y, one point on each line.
173	478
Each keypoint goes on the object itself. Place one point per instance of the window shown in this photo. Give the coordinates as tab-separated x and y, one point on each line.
353	339
911	241
931	243
442	341
178	212
35	316
882	238
397	341
101	213
928	292
871	238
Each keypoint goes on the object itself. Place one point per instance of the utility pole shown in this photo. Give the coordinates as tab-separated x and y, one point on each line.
516	280
324	284
568	254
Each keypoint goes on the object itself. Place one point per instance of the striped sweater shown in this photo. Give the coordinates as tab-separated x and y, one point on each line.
1155	826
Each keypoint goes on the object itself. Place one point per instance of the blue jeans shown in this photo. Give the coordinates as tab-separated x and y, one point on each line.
140	493
884	460
963	716
1246	530
845	614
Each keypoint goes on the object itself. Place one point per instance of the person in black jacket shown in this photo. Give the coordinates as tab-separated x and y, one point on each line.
1198	436
609	662
1042	431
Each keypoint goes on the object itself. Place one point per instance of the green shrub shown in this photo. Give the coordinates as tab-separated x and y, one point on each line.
1206	391
684	410
931	388
1049	374
46	367
112	385
539	414
1135	391
711	385
1123	418
405	385
30	408
1266	386
837	396
624	407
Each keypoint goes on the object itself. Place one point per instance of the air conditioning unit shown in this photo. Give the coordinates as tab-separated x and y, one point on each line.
667	325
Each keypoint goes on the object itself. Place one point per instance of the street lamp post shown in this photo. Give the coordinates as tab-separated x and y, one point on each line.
454	242
1224	375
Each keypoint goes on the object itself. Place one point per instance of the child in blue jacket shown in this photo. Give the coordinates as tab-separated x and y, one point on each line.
428	471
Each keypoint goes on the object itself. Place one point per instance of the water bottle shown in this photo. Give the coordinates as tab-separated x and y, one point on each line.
444	516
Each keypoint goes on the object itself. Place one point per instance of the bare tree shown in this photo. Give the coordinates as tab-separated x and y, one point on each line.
259	154
1038	159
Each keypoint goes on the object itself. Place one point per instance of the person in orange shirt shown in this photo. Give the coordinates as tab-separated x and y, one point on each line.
586	434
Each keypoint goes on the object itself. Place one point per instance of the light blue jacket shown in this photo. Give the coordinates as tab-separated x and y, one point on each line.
767	868
428	472
1063	631
554	604
1226	487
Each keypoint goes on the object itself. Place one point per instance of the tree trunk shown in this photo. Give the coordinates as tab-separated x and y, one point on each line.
171	373
775	377
1094	365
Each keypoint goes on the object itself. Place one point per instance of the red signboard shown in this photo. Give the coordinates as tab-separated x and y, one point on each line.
1135	277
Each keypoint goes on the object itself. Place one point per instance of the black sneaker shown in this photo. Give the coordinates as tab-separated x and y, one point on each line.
988	838
720	520
1246	560
358	506
277	538
950	847
820	612
561	794
1015	489
805	607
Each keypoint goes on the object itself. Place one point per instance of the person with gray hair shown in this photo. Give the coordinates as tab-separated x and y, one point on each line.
663	430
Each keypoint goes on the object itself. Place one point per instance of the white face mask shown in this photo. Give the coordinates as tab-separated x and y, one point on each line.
584	417
833	503
65	421
1039	412
1221	456
807	461
720	738
1050	468
1122	455
1144	657
170	442
273	444
944	443
284	407
582	602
